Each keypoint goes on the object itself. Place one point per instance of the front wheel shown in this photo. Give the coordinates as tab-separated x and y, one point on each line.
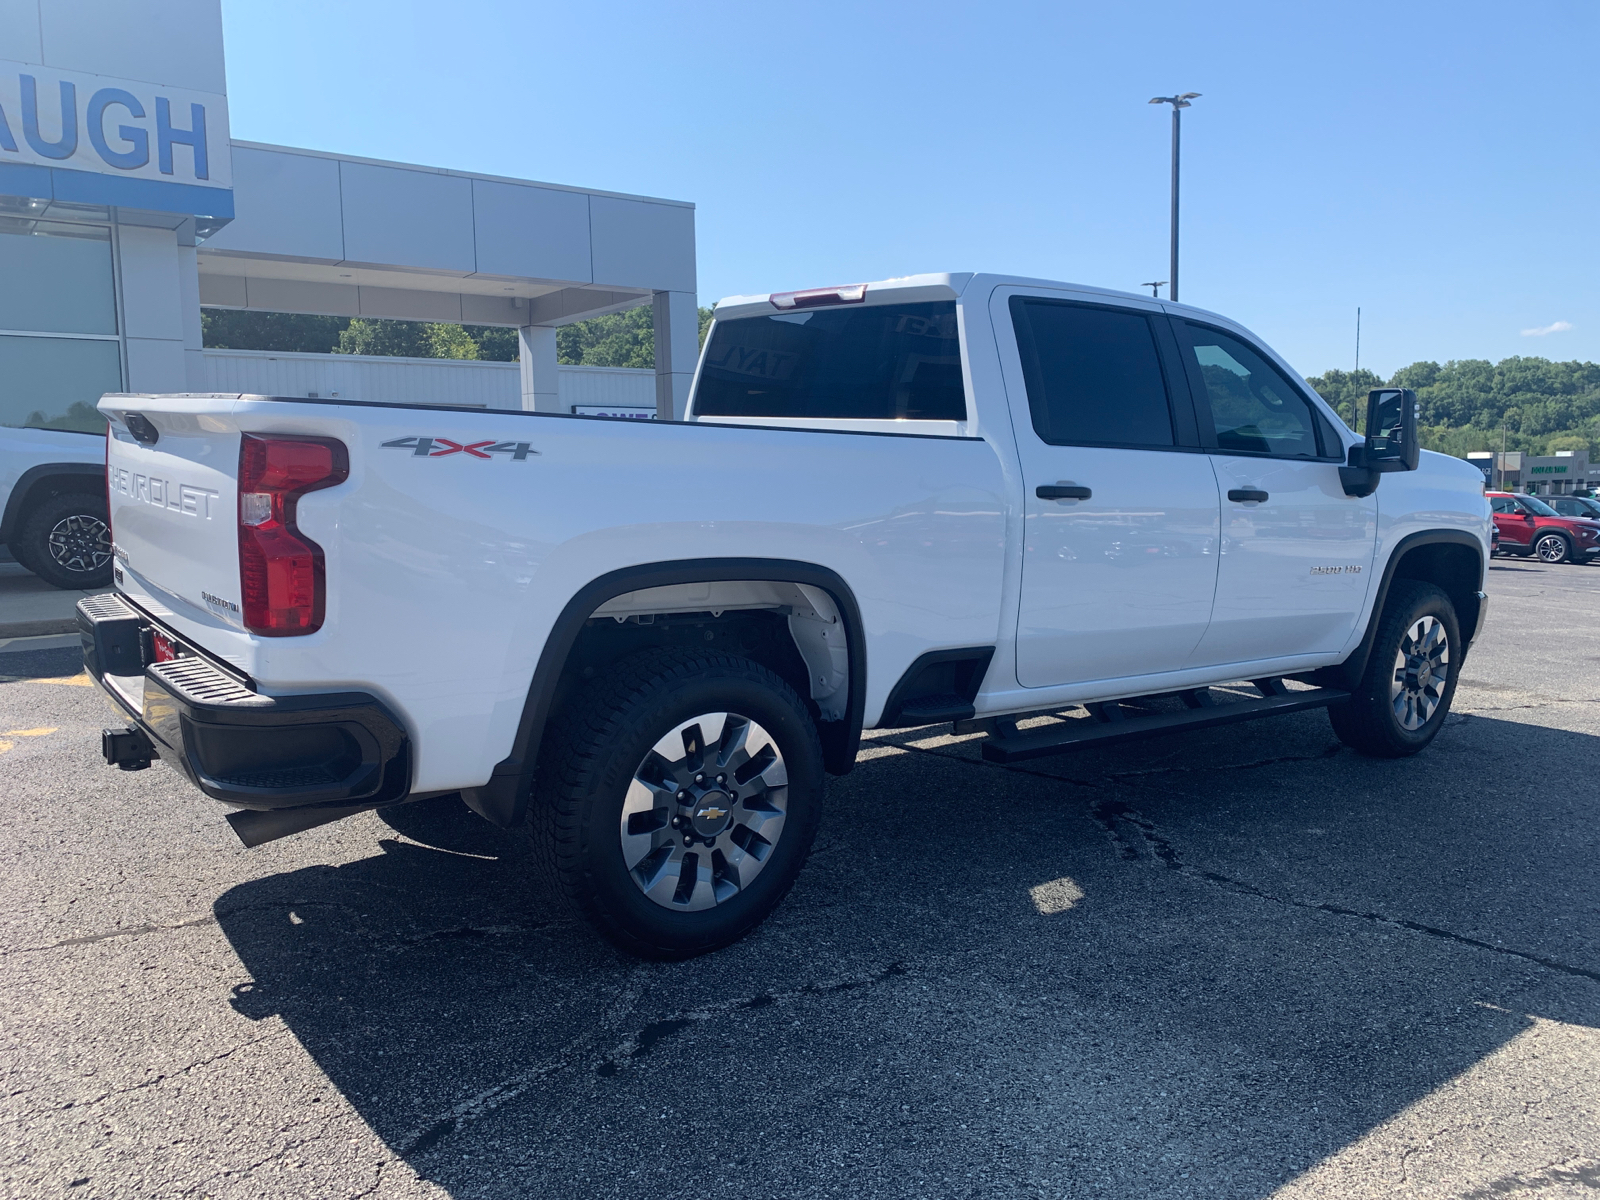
678	799
1403	698
1552	548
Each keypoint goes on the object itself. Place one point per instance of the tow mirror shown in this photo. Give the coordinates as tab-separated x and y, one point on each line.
1391	443
1392	430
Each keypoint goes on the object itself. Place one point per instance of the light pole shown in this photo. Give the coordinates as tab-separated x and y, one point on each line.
1179	103
1155	287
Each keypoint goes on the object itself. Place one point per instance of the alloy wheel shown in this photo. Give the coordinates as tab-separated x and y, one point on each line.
704	810
1421	672
80	544
1552	548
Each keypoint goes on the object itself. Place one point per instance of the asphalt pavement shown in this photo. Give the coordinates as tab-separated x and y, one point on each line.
1239	962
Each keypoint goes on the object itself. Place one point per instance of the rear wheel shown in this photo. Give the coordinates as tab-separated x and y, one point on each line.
678	800
1552	548
1410	680
66	541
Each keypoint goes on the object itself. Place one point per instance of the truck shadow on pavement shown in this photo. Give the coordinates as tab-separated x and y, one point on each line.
1199	971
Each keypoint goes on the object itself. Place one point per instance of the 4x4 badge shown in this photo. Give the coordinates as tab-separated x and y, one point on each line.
423	447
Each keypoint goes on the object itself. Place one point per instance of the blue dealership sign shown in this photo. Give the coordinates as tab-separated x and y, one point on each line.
68	135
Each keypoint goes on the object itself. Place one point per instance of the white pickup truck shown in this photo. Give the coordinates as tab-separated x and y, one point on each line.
1052	514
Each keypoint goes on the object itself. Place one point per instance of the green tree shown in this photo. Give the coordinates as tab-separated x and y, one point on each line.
1347	392
496	343
623	339
288	333
406	339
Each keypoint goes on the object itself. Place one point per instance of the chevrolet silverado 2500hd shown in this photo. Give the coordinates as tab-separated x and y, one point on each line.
944	498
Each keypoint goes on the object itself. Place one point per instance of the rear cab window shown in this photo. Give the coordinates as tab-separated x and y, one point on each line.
839	366
1094	375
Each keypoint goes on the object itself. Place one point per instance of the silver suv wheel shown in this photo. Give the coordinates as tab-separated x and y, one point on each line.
81	544
703	811
1551	548
1421	670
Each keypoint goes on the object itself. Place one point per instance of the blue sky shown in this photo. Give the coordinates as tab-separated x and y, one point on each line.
1433	163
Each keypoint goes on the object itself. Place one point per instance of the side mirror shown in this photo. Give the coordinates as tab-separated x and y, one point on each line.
1391	443
1392	430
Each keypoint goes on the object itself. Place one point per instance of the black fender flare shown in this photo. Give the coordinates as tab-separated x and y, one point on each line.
30	479
1348	673
503	800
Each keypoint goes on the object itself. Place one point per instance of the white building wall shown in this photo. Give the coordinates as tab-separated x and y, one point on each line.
466	382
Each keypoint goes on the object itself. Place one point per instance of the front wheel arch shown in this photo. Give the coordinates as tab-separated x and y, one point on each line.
1451	559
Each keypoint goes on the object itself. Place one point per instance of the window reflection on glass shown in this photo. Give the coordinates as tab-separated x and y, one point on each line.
57	277
1255	409
55	383
878	362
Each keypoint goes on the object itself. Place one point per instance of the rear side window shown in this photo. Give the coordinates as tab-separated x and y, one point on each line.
1093	375
1255	409
1503	504
881	362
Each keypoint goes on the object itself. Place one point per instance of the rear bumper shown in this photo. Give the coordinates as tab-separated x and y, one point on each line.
247	750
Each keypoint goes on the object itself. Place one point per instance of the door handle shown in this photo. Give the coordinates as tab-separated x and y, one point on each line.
1062	491
1245	495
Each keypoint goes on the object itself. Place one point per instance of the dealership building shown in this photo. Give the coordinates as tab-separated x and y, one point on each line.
125	206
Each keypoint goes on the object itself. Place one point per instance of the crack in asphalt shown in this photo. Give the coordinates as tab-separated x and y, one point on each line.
636	1046
174	1073
646	1039
1586	1173
1109	811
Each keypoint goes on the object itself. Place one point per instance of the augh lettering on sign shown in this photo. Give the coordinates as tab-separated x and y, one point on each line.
93	123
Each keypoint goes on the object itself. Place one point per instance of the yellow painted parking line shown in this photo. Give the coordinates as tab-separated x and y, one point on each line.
42	731
80	680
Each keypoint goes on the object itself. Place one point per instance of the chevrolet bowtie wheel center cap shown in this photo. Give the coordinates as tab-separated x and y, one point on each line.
710	813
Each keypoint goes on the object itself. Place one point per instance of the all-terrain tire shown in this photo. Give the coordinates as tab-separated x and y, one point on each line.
66	541
588	764
1374	720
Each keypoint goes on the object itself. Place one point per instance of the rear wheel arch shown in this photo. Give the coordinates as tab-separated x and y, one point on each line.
504	798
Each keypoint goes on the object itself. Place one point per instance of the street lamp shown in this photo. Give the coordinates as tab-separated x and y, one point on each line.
1155	287
1179	103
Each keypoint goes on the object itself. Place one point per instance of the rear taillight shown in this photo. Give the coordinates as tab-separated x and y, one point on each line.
281	577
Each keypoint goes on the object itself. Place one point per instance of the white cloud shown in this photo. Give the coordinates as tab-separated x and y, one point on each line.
1543	330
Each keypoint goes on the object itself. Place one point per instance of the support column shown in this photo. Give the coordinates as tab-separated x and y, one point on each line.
676	320
541	380
156	322
194	359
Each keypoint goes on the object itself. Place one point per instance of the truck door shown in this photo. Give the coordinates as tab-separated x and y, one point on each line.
1296	552
1120	504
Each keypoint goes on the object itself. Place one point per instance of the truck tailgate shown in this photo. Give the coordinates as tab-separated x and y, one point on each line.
174	505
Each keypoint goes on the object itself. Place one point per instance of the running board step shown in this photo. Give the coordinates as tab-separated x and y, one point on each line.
1071	735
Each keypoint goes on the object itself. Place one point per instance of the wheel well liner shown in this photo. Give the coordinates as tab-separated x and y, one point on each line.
47	479
504	798
1450	558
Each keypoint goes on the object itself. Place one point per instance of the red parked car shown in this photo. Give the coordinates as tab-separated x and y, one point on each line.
1528	526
